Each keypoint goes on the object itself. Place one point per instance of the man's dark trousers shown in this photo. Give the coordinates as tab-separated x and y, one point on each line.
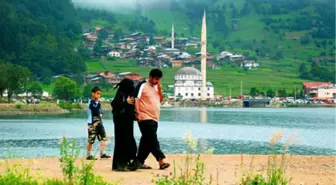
149	141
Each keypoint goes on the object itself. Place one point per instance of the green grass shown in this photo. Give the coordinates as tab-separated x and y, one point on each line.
73	174
274	75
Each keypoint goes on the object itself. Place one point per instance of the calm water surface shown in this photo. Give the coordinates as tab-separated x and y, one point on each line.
229	131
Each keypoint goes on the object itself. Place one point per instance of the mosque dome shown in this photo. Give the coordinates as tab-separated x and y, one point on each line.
191	71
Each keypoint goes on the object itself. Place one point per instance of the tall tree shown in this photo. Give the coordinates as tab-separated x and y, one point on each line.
98	47
65	89
254	92
36	89
17	79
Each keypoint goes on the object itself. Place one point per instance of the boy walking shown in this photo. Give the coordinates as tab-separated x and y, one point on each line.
147	107
95	125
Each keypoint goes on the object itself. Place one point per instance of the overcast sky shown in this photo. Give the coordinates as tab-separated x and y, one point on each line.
116	4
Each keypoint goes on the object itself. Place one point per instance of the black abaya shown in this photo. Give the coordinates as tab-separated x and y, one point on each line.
125	148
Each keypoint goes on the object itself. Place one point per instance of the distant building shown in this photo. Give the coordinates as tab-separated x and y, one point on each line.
114	54
188	84
224	55
176	63
249	64
319	90
236	57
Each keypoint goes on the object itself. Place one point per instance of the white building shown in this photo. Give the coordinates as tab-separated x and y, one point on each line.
188	84
114	54
249	64
320	90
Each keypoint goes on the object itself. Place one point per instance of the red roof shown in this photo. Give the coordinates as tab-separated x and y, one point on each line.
314	84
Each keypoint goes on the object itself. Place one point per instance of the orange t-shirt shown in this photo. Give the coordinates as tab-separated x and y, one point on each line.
149	102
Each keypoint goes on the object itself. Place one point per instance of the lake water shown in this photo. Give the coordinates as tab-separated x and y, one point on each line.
228	131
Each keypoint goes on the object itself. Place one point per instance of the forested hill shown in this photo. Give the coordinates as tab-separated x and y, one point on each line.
39	35
42	34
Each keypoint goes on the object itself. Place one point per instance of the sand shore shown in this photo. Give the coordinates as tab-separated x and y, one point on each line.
307	170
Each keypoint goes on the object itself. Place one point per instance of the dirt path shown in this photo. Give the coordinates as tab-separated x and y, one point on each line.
305	170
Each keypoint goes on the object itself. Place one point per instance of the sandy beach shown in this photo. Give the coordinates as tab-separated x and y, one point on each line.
226	169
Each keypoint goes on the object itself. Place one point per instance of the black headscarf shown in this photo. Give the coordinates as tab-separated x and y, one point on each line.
125	87
119	103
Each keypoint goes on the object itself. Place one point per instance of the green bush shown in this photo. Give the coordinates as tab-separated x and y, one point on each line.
72	174
66	106
19	106
276	170
189	175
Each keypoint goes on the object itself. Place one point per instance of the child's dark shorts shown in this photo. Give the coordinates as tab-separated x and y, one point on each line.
96	131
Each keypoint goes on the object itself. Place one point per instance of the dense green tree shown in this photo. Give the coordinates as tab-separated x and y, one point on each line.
254	92
87	91
36	89
65	89
103	34
270	93
118	34
98	47
282	93
279	55
15	79
84	52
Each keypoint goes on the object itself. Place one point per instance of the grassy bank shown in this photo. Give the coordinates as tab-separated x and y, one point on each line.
43	108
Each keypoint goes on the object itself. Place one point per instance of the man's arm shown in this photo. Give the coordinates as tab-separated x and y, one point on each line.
137	101
160	93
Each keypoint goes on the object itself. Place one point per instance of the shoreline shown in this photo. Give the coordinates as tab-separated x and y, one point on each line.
54	109
307	170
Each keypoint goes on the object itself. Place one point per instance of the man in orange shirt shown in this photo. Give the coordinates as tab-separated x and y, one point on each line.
147	106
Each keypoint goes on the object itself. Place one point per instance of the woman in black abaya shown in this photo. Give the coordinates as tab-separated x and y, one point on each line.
125	149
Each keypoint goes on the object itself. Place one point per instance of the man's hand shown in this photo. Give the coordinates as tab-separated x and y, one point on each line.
99	100
130	100
159	87
101	115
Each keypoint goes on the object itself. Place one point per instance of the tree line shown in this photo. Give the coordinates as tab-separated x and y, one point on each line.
39	35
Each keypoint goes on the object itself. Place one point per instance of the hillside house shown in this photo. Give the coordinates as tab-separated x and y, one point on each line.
114	54
176	63
236	58
130	75
249	64
146	61
319	90
191	45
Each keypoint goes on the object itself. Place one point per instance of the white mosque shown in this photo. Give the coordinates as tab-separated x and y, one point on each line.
190	83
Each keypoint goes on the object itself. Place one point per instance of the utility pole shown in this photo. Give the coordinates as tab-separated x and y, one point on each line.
241	88
230	92
295	93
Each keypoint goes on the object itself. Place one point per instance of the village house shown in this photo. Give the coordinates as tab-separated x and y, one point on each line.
224	55
234	58
146	61
192	45
176	63
319	90
106	74
186	57
170	51
130	75
133	53
249	64
159	40
212	65
116	54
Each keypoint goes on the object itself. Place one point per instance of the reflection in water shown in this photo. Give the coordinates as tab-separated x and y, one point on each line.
204	115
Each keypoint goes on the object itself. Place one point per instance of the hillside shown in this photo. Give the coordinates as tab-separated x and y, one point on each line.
292	41
280	35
